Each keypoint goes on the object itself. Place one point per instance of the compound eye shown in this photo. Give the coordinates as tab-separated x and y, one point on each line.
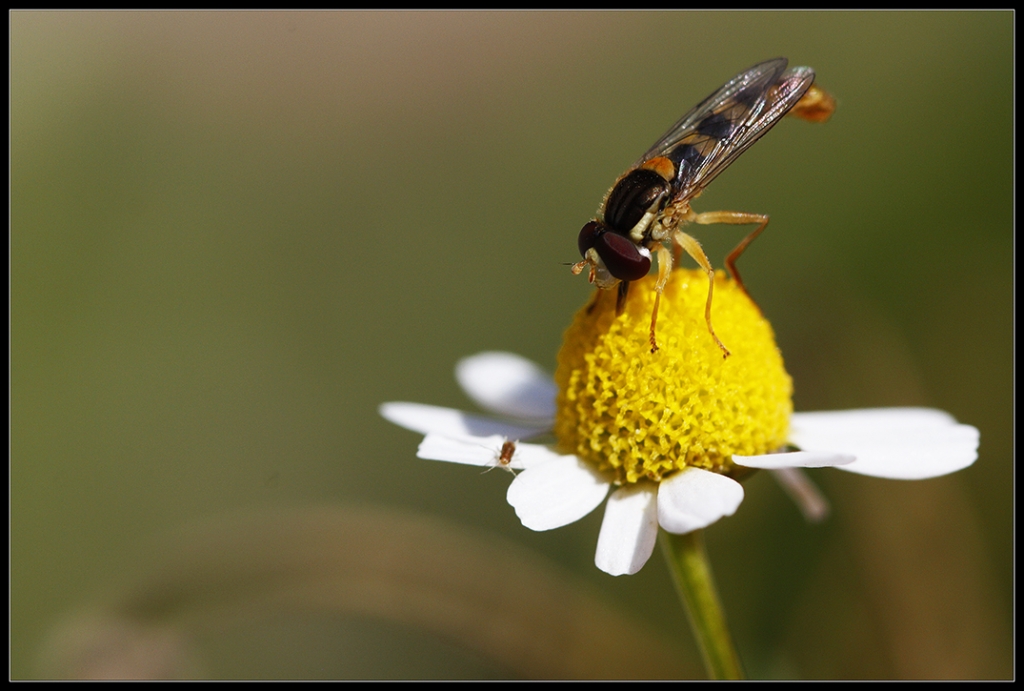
624	259
589	235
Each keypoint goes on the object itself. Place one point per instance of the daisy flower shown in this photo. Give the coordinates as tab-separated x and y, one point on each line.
670	434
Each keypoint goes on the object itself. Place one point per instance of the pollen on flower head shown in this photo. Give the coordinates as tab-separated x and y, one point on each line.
643	415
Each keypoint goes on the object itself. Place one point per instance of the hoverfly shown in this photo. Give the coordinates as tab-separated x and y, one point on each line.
645	207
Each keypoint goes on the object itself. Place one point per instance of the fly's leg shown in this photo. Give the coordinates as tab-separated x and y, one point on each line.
693	248
620	299
736	218
664	270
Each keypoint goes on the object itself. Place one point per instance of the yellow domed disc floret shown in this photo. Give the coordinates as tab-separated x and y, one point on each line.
643	415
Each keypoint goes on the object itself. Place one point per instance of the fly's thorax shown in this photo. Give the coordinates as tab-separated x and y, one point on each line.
635	196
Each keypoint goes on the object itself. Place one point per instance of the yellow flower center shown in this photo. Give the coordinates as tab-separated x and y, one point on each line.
642	415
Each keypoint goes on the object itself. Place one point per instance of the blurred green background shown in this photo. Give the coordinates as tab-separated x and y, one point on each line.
233	235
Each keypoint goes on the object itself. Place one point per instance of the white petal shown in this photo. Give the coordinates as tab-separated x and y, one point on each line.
696	498
529	455
556	493
427	419
875	417
481	451
629	530
808	498
895	443
794	459
508	384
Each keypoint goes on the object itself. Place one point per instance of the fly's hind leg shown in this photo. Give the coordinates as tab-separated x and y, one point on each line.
736	218
693	248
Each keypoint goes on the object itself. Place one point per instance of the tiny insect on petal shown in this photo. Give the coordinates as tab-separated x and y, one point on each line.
483	451
479	451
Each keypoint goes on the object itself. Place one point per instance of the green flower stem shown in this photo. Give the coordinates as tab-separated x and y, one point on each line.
691	570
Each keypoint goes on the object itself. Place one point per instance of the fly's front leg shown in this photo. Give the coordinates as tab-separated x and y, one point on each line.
664	270
694	249
620	299
736	218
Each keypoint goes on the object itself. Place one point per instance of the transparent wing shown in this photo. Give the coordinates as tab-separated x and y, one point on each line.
749	86
725	124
